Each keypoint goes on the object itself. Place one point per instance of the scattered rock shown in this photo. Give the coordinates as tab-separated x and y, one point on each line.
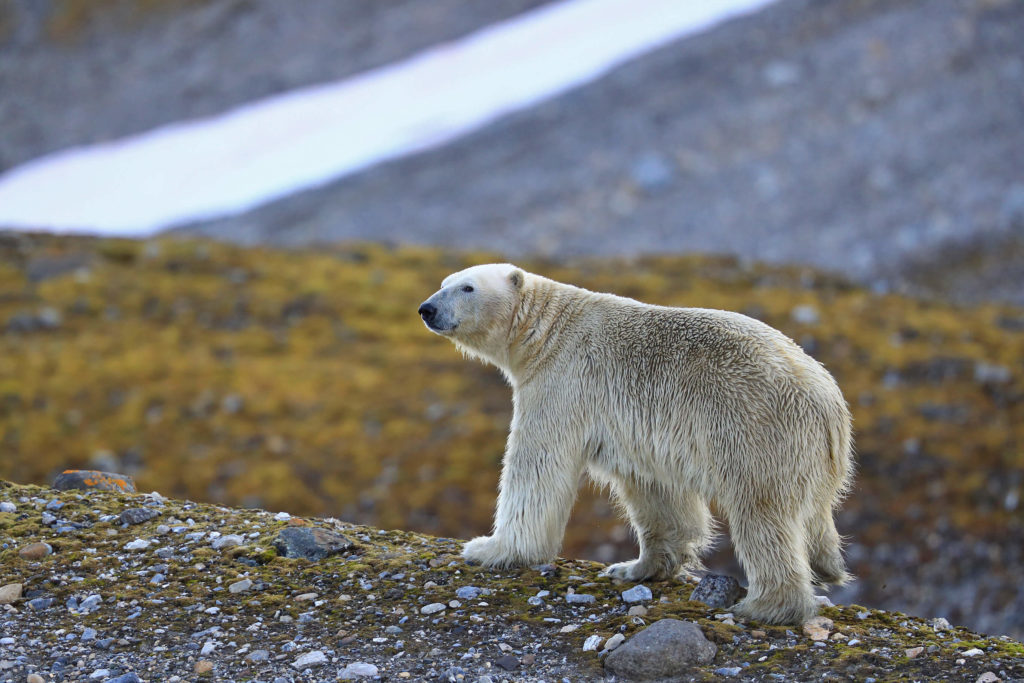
358	670
10	593
133	516
652	173
639	593
913	652
35	678
507	662
35	551
664	649
592	643
805	315
310	543
433	608
728	671
468	592
257	656
715	590
93	479
125	678
614	642
203	666
817	628
138	544
228	541
314	658
240	586
580	599
988	677
8	507
973	652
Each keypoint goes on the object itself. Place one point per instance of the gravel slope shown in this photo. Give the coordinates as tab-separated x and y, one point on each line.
72	75
852	135
132	588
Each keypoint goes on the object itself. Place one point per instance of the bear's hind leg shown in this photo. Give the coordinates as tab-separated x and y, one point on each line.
824	550
672	528
773	553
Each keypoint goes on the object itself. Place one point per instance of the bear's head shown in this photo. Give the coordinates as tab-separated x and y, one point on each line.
475	307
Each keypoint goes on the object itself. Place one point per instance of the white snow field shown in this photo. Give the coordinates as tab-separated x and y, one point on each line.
274	147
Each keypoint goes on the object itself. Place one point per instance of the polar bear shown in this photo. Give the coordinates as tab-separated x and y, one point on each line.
673	409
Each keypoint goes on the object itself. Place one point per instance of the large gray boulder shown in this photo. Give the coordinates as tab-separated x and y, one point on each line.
664	649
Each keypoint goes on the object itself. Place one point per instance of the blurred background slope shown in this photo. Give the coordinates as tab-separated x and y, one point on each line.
879	140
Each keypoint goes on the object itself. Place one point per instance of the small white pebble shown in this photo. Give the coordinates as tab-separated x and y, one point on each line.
592	643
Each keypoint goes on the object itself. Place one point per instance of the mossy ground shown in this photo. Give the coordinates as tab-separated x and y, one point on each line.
304	381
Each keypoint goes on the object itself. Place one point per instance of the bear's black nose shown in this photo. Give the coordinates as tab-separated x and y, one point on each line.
428	311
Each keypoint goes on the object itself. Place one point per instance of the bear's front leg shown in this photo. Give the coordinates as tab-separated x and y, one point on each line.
539	479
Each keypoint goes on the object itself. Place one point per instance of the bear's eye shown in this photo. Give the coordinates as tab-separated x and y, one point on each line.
467	288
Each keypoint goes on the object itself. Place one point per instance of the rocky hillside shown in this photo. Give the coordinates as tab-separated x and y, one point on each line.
111	586
304	381
880	139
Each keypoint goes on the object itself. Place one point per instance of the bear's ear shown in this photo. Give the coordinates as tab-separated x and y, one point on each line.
516	277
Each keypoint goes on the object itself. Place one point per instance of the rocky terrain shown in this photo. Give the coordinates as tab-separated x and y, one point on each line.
115	586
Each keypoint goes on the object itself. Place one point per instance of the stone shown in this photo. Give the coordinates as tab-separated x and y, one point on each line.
468	592
203	666
93	479
310	543
138	544
257	656
240	586
432	608
228	541
652	173
358	670
133	516
88	634
638	593
580	599
35	551
125	678
306	597
805	315
729	671
8	507
40	603
10	593
637	611
314	658
592	643
987	677
614	642
34	678
817	628
507	662
665	649
973	652
715	590
914	652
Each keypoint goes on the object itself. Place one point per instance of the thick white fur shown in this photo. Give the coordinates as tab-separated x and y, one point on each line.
673	409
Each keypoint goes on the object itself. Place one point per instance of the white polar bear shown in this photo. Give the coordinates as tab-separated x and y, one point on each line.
673	409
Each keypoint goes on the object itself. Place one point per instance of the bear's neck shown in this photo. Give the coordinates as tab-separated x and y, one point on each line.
541	326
